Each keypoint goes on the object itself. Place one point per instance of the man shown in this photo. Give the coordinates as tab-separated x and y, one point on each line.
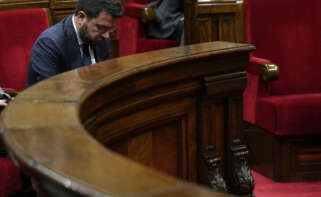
78	40
169	22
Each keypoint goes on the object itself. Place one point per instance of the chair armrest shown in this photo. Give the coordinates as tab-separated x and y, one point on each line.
259	72
139	11
268	70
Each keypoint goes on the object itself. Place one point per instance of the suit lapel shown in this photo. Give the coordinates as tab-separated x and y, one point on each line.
73	56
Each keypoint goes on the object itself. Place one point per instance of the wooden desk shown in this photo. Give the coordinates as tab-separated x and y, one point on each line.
160	108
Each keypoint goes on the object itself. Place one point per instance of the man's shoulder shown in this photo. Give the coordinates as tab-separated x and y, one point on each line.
57	29
55	33
52	32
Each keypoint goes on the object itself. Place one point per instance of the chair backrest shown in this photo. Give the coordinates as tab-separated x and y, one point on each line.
19	30
288	32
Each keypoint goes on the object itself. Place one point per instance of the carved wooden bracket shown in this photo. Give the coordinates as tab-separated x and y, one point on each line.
242	180
213	160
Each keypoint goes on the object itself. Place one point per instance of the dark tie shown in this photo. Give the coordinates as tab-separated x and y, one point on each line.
86	59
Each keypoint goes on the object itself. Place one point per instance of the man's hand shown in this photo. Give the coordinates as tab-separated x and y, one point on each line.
3	103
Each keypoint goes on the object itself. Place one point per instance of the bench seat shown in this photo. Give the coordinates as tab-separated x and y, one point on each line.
295	114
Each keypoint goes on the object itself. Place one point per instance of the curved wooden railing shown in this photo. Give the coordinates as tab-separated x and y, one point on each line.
158	108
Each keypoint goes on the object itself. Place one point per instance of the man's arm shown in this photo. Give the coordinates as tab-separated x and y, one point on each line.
44	61
3	103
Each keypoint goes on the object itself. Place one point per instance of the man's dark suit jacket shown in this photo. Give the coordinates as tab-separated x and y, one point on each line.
57	50
169	14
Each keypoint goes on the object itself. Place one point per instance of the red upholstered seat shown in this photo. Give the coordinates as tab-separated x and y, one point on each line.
131	32
291	114
286	33
10	181
19	30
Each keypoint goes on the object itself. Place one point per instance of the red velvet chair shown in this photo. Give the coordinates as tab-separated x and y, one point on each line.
19	30
286	144
10	180
131	31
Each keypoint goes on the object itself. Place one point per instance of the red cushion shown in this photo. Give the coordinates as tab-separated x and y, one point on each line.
127	33
10	179
132	38
290	114
133	9
19	30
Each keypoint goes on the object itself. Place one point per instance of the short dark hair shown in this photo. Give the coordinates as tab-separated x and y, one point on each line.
93	7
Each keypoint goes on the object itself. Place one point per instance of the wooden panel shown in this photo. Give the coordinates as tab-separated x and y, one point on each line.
215	28
157	136
212	131
61	9
149	148
63	4
167	150
203	31
58	15
227	21
308	160
227	28
285	158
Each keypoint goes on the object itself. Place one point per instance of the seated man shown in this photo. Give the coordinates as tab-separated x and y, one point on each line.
78	40
169	20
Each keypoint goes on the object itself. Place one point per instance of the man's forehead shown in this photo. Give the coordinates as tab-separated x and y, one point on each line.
105	18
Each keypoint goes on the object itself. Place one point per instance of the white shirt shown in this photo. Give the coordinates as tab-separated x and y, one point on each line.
80	42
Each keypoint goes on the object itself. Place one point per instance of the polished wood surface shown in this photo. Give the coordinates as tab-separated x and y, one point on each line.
70	133
213	20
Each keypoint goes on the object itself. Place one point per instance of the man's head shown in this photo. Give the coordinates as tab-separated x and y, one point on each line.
95	19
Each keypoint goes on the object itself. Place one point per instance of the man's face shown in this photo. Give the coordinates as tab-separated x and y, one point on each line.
97	29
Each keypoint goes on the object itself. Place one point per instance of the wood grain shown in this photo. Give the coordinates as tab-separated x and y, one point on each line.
80	133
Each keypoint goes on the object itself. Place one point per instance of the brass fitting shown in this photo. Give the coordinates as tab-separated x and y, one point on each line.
269	71
147	14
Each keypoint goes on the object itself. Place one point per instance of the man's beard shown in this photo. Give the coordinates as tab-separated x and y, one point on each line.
84	35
